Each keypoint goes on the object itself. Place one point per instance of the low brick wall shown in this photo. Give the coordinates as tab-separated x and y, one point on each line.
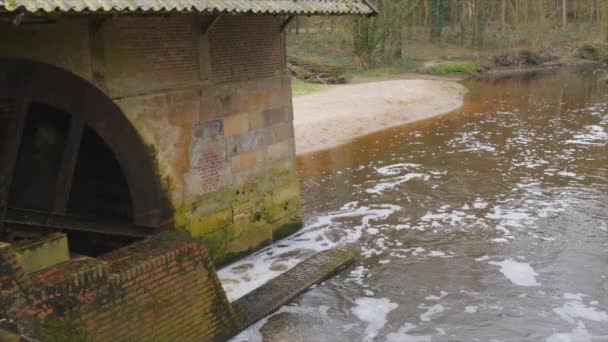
162	288
12	279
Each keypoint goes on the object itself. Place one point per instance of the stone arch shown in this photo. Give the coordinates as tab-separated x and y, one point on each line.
25	82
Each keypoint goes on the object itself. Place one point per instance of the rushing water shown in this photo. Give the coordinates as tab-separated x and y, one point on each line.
486	224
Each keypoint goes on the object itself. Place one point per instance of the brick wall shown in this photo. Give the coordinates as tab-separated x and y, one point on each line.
163	288
65	44
12	279
245	48
144	55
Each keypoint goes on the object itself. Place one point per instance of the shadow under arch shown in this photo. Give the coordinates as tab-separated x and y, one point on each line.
27	81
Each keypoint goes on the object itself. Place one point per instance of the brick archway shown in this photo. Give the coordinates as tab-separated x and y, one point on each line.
23	83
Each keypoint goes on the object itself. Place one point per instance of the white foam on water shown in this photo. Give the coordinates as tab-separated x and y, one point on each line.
431	311
255	270
358	274
519	273
591	135
414	250
479	204
372	231
578	334
432	297
568	174
374	312
577	309
471	309
575	296
403	336
394	182
581	142
395	169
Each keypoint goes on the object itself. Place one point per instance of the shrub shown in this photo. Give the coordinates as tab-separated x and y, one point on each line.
589	51
504	60
530	57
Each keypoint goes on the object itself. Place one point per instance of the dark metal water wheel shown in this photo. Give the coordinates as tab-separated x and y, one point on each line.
69	159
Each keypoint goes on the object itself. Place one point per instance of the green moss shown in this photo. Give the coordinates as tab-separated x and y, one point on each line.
43	252
261	206
181	216
443	69
284	230
208	224
216	244
229	256
65	329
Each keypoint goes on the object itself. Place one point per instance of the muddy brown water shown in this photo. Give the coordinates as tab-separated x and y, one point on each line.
486	224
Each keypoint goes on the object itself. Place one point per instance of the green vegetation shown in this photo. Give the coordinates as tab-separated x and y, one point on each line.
384	71
301	88
520	32
523	57
444	69
66	329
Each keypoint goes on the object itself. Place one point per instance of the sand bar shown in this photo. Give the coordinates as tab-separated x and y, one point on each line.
339	114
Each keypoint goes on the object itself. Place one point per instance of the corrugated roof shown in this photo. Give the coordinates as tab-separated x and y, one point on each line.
307	7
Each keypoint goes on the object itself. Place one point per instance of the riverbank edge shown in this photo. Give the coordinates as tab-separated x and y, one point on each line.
496	72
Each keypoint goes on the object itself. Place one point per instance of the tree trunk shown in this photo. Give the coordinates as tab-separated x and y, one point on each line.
437	20
503	15
480	23
564	15
463	21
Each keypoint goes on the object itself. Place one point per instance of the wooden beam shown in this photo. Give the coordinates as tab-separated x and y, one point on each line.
374	8
10	153
286	22
205	29
32	219
68	164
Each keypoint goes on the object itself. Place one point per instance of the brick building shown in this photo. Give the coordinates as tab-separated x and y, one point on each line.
122	118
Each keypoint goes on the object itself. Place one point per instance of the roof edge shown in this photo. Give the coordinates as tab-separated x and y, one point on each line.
373	7
243	7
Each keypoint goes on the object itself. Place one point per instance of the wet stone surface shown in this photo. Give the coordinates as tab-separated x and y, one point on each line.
487	224
281	290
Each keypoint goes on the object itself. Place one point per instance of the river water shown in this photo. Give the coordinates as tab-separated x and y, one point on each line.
487	224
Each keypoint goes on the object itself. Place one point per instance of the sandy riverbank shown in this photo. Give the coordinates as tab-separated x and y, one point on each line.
339	114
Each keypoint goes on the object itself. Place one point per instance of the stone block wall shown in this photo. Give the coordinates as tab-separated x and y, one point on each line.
159	289
213	105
